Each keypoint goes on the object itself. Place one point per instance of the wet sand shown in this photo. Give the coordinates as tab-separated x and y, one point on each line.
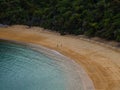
102	64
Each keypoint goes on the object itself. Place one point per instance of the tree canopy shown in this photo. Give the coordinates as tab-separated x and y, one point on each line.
89	17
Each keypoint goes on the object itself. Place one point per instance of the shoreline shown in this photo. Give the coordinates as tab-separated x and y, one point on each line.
76	74
98	61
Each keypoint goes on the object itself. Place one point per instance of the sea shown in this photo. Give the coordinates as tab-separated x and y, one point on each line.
26	67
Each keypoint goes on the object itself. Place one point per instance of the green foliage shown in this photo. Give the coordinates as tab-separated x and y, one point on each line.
117	35
90	17
90	33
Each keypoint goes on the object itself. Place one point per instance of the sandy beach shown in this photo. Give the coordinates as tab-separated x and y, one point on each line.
102	64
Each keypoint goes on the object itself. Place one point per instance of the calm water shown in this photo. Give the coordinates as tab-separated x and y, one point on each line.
22	68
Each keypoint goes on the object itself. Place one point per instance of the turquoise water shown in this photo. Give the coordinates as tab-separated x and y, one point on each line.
22	68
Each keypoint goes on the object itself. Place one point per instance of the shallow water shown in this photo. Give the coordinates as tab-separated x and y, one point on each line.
22	68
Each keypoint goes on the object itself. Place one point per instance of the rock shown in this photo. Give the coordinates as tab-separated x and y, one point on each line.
3	25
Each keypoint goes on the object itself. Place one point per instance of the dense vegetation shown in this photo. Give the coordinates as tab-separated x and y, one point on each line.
90	17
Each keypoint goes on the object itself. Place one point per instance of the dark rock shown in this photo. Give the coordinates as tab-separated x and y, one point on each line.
3	25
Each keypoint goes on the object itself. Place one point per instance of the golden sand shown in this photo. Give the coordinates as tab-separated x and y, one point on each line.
102	64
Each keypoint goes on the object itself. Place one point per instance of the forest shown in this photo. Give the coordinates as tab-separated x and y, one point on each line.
93	18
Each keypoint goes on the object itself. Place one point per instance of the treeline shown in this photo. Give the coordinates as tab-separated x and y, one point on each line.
89	17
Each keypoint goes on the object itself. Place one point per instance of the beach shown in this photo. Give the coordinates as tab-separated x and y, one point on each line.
101	63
